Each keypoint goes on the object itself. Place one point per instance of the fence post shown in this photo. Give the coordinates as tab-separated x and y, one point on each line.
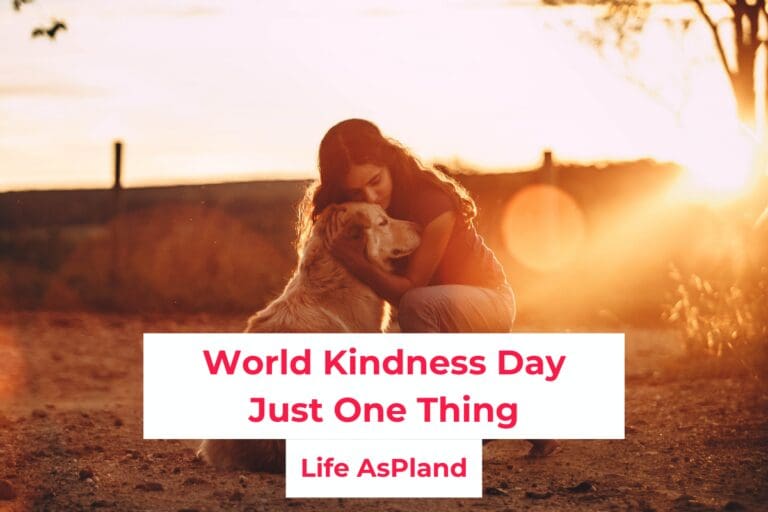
117	207
550	177
548	168
118	165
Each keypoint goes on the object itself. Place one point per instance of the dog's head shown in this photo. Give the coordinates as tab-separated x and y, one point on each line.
385	238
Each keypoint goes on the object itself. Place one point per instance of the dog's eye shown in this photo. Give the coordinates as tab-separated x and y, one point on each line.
383	222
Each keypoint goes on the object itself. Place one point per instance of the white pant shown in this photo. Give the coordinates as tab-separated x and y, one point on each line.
456	308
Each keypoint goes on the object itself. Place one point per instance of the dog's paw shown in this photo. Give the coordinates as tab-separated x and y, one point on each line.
266	455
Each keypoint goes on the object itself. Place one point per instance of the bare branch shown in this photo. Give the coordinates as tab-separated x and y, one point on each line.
18	3
715	34
763	8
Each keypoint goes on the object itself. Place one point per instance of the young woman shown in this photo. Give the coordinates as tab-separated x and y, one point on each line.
452	282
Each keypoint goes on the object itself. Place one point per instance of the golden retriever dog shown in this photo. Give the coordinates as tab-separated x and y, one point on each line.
322	296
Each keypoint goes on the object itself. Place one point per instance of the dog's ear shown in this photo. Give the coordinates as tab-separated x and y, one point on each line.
362	219
353	231
331	214
356	225
331	219
334	209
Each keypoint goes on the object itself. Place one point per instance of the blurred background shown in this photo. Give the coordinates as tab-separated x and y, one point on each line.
152	153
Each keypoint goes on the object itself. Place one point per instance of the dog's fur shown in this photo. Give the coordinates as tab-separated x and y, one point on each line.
322	296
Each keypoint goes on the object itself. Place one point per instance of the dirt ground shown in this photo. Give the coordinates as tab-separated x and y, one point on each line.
71	436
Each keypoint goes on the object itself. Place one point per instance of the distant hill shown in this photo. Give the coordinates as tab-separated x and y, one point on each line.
229	246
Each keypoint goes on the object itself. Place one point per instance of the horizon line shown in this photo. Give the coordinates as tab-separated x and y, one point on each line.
237	178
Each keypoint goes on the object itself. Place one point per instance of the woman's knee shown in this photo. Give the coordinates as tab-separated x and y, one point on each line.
412	299
413	311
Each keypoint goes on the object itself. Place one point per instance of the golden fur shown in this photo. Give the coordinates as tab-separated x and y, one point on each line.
322	296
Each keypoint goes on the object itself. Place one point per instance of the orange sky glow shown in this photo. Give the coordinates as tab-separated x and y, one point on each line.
205	90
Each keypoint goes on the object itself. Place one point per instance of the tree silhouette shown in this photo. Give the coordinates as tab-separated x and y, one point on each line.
744	18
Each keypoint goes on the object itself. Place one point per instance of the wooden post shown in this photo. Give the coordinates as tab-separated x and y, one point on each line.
550	177
118	164
548	167
117	207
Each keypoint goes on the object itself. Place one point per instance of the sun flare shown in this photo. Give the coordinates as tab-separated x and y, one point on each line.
720	161
543	227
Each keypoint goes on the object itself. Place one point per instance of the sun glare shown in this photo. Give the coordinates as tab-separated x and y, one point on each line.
720	162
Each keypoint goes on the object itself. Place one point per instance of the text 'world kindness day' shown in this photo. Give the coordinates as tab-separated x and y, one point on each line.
350	362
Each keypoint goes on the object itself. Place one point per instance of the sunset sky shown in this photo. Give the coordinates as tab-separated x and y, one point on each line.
205	90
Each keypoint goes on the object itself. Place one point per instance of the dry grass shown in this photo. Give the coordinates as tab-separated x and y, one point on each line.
724	319
170	258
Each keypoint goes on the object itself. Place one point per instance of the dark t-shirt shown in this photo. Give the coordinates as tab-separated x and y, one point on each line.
467	260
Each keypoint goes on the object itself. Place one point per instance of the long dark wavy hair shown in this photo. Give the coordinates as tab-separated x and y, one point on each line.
358	142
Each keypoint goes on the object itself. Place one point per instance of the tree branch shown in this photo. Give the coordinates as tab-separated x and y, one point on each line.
715	33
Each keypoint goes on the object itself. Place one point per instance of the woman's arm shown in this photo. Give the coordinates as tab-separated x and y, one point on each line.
421	267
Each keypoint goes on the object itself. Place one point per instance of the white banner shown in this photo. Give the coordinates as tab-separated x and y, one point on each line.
383	386
384	469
